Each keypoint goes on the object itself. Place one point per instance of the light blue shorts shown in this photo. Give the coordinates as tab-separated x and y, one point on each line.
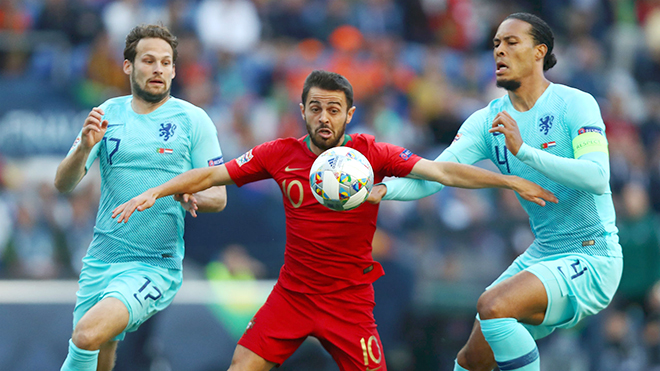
577	285
143	288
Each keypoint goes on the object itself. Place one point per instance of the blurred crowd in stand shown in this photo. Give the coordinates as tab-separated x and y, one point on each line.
418	68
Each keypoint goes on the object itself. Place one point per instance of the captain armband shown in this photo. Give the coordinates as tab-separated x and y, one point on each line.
589	142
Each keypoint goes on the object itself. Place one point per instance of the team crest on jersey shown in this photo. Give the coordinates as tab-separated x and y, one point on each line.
167	131
545	124
245	158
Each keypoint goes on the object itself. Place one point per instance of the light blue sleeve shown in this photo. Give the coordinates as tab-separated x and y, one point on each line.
468	147
590	172
205	146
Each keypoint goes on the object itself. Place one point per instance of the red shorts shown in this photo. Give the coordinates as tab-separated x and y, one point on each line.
342	321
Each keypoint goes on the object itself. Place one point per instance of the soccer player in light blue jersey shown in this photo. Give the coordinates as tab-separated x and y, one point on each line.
132	271
552	135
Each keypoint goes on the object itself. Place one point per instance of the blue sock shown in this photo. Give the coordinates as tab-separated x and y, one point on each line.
458	367
513	346
80	359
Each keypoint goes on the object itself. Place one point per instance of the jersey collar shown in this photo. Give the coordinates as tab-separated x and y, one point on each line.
308	141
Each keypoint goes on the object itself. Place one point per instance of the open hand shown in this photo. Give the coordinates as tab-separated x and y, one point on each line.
377	193
188	202
533	192
140	202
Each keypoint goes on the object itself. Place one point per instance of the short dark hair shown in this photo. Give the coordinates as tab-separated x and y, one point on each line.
328	81
148	31
542	34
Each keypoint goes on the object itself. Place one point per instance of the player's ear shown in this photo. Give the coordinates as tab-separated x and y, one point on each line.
128	67
173	70
541	51
302	110
349	114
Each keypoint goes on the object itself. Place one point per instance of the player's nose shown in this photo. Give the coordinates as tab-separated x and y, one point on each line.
323	117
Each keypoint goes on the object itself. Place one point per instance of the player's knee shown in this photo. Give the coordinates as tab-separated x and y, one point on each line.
491	306
86	339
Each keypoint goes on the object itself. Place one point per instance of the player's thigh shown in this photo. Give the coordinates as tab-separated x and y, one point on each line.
280	326
95	276
577	286
522	296
104	321
355	347
143	289
348	330
515	293
517	266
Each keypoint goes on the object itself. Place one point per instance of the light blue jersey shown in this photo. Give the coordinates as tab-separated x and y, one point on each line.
139	152
566	123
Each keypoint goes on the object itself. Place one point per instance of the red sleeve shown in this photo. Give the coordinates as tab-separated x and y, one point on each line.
393	160
252	165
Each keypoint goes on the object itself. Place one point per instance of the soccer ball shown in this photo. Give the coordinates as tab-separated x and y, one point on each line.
341	178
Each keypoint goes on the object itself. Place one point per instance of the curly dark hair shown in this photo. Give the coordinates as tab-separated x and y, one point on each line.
148	31
328	81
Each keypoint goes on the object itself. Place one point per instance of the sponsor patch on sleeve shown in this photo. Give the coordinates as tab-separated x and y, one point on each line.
405	155
245	158
75	143
216	161
590	129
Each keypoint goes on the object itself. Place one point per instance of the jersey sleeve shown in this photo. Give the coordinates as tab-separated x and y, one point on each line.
589	170
252	165
394	160
468	147
205	146
93	154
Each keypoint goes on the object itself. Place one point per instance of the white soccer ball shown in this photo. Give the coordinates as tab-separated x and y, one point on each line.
341	178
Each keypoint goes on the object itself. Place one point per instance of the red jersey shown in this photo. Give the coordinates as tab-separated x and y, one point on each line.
325	250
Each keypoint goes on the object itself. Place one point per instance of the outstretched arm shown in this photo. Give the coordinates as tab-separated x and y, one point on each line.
192	181
212	200
468	176
408	189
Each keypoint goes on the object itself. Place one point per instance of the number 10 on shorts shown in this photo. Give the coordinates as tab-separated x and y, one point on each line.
368	350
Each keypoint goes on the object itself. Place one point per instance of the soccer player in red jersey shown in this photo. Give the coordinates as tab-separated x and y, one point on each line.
325	286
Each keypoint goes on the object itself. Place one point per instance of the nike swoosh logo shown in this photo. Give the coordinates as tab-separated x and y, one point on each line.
293	168
374	369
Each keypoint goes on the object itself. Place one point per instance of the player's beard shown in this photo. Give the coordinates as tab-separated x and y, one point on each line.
510	85
145	95
326	144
